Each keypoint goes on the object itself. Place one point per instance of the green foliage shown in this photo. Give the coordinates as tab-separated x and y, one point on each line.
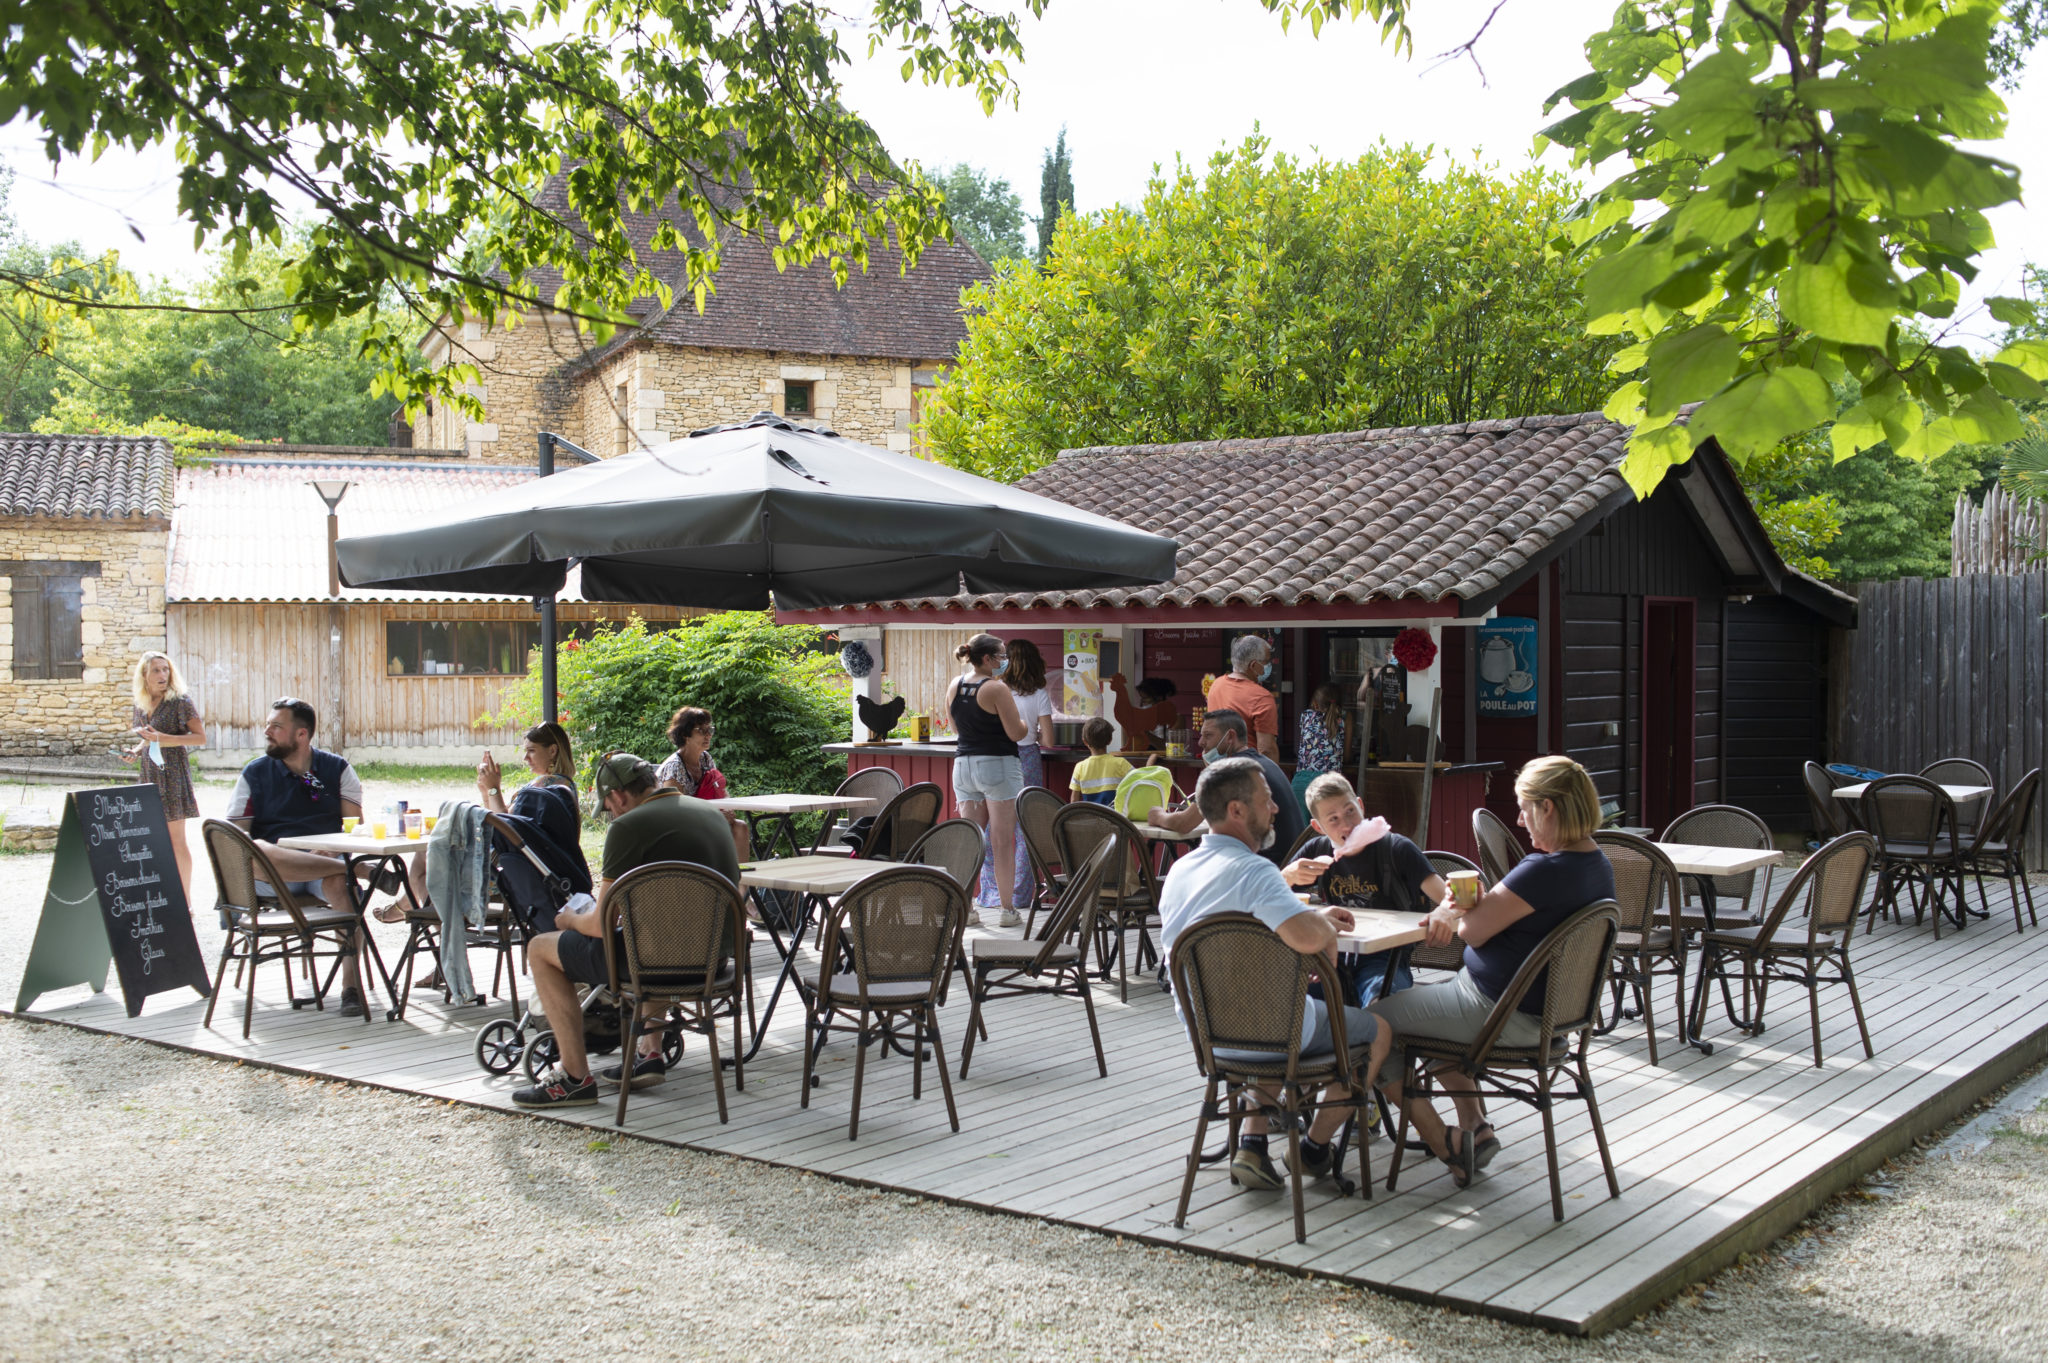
1273	298
2025	472
2025	24
1055	193
190	445
1799	200
986	213
774	700
423	132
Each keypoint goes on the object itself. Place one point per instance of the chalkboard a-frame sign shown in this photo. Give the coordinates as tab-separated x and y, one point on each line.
114	894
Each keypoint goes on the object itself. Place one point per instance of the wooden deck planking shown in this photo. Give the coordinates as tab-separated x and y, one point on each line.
1043	1135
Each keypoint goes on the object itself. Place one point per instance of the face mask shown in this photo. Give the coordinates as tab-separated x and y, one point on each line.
1266	673
1214	755
1002	666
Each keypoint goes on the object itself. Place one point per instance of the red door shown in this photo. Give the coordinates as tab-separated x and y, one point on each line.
1669	625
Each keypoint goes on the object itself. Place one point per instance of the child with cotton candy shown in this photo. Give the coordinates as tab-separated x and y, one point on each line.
1360	863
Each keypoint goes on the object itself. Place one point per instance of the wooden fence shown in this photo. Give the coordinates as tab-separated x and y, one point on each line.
2007	534
1949	667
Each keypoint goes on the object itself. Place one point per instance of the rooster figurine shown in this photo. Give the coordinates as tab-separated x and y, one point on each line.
880	717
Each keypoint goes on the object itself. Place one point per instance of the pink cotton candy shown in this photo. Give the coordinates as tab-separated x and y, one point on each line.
1364	836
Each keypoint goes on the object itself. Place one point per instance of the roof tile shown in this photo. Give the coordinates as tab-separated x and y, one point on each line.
85	476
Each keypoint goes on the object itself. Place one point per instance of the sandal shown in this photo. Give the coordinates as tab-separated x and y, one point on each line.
394	912
1485	1145
1458	1159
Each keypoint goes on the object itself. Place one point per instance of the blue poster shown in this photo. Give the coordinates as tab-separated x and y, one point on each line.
1507	668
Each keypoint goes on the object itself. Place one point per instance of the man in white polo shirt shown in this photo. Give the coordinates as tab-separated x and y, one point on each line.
1226	874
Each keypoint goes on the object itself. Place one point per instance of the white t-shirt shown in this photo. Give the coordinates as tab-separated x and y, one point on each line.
1030	709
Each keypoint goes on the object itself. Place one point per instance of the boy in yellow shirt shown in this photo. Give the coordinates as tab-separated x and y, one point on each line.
1096	776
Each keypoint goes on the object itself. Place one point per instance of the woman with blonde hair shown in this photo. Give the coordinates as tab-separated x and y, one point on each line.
165	723
1560	809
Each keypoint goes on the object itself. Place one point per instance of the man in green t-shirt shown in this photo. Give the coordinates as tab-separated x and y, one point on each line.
650	822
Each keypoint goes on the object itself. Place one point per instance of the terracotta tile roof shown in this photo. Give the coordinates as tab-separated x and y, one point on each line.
1423	513
251	530
106	477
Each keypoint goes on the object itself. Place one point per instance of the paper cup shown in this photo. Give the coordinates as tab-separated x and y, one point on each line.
1464	889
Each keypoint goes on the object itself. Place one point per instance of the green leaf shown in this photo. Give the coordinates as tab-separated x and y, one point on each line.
1689	365
2014	312
1652	454
1625	406
1856	430
1841	300
1624	281
2029	357
1931	441
2014	383
1985	418
1763	409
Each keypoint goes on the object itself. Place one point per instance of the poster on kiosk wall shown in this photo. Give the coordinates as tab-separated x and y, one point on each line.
1082	693
1507	668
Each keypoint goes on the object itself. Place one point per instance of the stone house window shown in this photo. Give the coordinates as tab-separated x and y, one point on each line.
796	398
49	607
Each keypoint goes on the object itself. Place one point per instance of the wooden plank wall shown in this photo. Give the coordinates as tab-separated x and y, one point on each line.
1775	710
1950	667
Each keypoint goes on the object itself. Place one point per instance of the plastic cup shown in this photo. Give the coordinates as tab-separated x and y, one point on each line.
415	824
378	829
431	819
348	824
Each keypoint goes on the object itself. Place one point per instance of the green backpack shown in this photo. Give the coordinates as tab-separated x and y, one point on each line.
1141	790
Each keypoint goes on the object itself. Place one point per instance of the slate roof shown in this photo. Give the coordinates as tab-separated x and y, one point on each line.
880	313
1422	513
251	530
89	477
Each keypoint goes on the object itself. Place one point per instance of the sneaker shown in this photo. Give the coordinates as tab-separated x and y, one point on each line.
1315	1160
1252	1169
1012	919
974	918
351	1003
647	1069
558	1090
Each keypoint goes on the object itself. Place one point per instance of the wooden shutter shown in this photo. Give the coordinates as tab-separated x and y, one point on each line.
63	605
31	634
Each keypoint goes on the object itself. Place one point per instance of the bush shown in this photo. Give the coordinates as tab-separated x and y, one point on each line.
774	698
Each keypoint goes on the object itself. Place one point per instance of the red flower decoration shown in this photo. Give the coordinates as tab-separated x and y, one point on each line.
1414	649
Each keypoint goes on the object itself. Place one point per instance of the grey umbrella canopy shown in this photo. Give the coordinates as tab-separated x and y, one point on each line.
726	516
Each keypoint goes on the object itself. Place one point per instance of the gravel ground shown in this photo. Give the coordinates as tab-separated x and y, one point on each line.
155	1205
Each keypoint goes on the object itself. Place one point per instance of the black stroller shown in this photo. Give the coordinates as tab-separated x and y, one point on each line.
533	893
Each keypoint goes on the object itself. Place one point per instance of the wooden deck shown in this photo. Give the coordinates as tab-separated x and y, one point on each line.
1716	1155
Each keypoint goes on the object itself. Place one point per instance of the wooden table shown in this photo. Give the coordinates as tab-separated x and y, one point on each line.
813	879
1376	931
1703	863
1962	795
354	849
778	811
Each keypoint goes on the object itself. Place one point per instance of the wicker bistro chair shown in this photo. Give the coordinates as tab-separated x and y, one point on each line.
1830	884
1499	848
1831	817
1573	962
683	937
1130	900
1724	826
958	847
275	927
1451	957
1913	821
909	815
1650	940
878	785
1037	807
1961	771
900	931
1242	989
1053	964
1999	848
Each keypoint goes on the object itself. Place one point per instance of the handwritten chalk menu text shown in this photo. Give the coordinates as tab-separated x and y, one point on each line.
149	925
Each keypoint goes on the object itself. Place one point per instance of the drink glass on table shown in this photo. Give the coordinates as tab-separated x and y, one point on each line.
415	823
348	823
431	820
378	828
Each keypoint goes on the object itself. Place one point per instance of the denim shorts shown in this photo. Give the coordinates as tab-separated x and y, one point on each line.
299	888
987	778
1360	1027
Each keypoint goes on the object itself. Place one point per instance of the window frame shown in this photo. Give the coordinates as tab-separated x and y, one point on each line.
34	584
809	388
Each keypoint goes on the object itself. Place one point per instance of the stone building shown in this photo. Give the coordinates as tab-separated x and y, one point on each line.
85	525
859	359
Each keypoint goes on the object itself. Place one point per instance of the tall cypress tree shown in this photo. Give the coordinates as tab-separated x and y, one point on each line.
1055	192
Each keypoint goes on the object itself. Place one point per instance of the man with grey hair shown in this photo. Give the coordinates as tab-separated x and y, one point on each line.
1224	736
1225	874
1243	691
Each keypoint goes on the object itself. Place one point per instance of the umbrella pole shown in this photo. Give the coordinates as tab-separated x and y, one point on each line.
546	604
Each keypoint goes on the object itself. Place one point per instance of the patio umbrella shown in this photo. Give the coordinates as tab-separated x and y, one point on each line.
724	517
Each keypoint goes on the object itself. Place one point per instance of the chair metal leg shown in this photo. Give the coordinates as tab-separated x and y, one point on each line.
974	1023
931	1028
1094	1032
718	1070
1856	1004
1813	1006
1649	1008
916	1056
1187	1184
220	973
1599	1131
860	1061
629	1046
1292	1101
249	1007
1550	1145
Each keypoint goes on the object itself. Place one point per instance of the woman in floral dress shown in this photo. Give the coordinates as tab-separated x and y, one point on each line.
166	723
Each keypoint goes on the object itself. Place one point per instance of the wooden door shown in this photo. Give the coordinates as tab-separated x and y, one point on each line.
1669	628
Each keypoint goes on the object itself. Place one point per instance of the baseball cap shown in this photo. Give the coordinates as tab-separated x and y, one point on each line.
616	771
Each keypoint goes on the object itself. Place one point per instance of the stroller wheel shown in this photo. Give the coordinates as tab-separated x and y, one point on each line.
672	1046
499	1046
541	1055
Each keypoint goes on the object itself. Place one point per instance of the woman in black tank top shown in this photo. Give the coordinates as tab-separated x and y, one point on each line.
986	773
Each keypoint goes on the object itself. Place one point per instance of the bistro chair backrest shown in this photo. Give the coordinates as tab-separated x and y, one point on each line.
1241	988
238	863
878	784
1300	841
1499	848
1037	807
1724	826
1645	882
1907	812
679	925
2009	822
956	847
1957	771
1830	884
1073	918
908	816
1830	816
901	927
1080	828
1572	965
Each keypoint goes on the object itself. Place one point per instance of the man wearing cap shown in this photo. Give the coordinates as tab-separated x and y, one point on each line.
650	822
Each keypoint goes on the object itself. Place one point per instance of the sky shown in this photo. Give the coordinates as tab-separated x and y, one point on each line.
1134	82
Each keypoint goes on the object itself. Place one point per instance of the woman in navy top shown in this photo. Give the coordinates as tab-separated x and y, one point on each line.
1560	809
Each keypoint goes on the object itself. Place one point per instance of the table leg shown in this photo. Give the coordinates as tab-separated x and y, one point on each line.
787	950
1705	885
359	895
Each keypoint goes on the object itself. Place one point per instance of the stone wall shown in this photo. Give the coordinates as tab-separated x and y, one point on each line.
647	392
122	617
